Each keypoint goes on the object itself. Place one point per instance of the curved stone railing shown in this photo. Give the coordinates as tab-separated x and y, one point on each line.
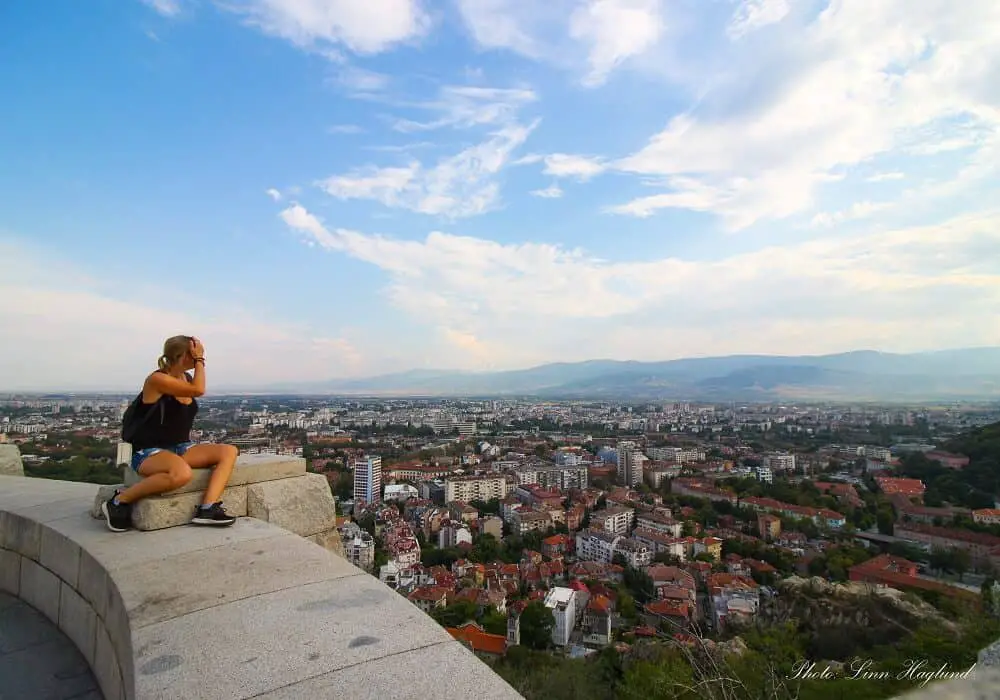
250	611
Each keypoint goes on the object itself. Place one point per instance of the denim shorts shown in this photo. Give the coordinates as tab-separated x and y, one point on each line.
177	449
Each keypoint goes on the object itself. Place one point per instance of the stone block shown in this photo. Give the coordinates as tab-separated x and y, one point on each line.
159	512
173	586
303	505
40	589
407	678
250	469
283	637
60	555
329	540
103	494
10	461
10	572
94	584
21	535
78	621
106	668
119	627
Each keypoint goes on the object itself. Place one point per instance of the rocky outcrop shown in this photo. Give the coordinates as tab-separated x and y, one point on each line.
818	603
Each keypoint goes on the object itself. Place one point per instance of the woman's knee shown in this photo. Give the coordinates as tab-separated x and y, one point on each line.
230	452
180	475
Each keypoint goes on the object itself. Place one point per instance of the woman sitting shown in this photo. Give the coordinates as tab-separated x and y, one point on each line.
163	453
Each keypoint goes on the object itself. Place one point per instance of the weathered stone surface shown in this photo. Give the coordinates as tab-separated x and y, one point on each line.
78	621
10	461
329	540
161	590
450	661
40	589
106	668
118	551
250	469
20	535
60	555
304	505
283	637
160	512
10	572
20	494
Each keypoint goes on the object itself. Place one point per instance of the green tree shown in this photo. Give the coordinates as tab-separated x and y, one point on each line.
494	622
455	614
537	623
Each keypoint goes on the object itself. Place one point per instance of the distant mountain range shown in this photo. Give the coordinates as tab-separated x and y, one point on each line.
972	374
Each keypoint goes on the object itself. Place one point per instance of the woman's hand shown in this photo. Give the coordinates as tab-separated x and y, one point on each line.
197	349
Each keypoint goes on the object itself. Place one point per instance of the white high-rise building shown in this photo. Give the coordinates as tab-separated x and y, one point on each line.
368	479
630	461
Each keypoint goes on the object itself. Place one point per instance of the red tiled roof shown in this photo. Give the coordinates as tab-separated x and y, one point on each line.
474	636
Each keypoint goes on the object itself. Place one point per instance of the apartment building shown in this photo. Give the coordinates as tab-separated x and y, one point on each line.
617	520
780	462
563	604
553	476
596	545
368	479
475	488
630	463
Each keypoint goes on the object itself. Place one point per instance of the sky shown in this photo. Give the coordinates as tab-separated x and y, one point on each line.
327	188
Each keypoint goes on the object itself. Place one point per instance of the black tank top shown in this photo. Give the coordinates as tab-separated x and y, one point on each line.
171	427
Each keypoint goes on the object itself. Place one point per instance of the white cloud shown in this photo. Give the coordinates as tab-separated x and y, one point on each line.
468	106
752	15
64	329
169	8
550	192
864	80
364	27
274	194
565	165
589	37
615	30
362	81
863	286
458	186
501	23
345	129
883	177
858	210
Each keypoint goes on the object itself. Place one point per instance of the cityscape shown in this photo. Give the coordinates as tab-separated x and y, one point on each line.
577	529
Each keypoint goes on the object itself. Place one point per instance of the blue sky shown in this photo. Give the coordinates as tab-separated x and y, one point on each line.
324	188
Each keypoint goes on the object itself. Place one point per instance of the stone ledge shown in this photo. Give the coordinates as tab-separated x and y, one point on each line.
250	469
286	618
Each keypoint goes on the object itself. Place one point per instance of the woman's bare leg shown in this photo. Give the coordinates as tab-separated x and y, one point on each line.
222	458
163	471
